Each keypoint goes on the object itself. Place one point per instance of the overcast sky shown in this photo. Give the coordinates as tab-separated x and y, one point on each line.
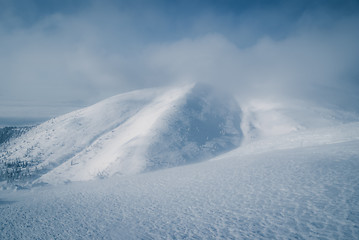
56	56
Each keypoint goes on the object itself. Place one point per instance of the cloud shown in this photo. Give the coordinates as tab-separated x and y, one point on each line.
309	57
72	57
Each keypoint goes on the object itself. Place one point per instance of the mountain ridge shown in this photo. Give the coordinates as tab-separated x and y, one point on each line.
130	133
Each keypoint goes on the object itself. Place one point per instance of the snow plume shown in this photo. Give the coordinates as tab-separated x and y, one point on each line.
68	54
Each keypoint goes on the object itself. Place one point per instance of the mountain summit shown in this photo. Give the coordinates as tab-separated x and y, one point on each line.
129	133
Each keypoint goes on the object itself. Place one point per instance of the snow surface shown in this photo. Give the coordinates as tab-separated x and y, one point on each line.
300	193
275	170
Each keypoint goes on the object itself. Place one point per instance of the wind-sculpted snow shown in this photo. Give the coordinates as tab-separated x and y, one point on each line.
266	118
202	126
57	140
127	134
293	177
305	138
302	193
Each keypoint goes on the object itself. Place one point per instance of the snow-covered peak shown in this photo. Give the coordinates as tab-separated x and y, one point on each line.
130	133
157	128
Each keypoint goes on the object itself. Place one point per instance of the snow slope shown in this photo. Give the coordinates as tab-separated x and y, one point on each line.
268	118
130	133
293	176
300	192
298	139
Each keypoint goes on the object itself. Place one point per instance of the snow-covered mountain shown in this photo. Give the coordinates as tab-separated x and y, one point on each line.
129	133
273	170
159	128
271	188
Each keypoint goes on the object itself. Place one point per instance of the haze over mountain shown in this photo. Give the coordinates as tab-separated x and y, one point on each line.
105	135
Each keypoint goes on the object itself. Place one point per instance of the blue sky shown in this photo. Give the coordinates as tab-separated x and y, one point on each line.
56	56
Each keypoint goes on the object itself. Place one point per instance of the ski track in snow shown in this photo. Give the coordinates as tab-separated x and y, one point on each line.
303	193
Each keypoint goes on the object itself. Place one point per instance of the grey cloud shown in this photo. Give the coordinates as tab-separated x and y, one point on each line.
103	49
318	56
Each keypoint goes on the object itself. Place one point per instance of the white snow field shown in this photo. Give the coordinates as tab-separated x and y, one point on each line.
302	193
186	163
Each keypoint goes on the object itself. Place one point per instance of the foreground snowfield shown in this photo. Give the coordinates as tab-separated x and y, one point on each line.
302	192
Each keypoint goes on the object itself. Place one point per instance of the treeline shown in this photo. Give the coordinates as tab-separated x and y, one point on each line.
17	170
7	133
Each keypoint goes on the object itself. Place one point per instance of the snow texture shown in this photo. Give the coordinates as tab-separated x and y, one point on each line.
274	170
301	193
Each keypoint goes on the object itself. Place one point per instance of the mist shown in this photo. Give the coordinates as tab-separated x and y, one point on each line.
59	56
